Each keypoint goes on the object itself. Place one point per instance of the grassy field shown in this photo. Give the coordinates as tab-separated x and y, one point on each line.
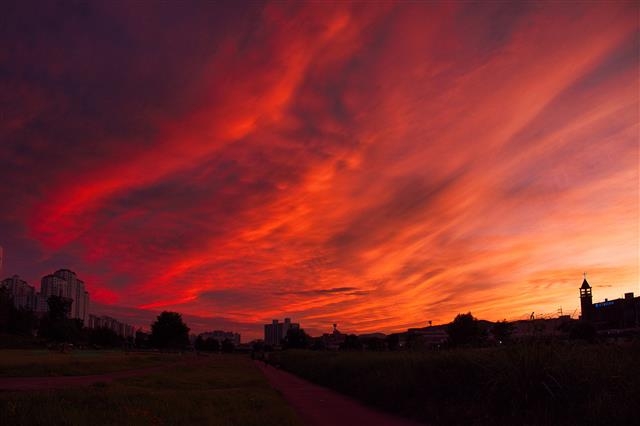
26	363
221	390
525	384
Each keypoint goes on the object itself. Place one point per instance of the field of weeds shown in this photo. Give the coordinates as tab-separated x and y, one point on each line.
220	390
530	383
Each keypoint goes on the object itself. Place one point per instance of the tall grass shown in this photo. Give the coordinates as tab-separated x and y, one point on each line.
530	383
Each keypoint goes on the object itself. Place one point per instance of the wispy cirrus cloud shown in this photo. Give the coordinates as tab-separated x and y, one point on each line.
375	166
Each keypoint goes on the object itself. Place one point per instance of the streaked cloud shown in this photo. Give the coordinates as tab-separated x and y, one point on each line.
378	166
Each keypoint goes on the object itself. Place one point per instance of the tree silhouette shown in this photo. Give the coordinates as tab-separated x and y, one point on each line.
57	325
465	330
296	338
59	307
169	331
24	322
7	309
15	320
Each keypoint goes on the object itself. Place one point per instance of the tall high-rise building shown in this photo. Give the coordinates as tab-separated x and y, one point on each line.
50	285
275	332
24	295
75	290
65	283
62	283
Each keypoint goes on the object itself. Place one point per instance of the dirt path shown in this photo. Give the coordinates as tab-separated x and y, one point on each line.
318	406
62	382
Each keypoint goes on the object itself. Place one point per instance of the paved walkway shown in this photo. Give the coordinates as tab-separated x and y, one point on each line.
318	406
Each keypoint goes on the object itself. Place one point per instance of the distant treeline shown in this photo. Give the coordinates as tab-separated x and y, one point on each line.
464	331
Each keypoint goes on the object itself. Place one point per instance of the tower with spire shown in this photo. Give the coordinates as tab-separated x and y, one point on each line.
586	300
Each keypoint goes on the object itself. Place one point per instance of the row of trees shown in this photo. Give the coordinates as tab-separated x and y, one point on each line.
53	326
168	331
15	320
464	331
213	345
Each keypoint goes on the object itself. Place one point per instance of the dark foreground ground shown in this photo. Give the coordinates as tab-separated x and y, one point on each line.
319	406
531	383
217	390
526	384
165	383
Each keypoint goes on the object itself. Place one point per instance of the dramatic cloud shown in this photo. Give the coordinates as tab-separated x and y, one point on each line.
378	166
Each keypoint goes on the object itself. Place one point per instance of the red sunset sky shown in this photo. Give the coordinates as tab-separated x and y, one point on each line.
374	164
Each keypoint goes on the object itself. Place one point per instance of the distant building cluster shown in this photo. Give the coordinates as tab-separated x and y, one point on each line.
120	328
431	336
275	332
609	319
609	314
63	283
66	284
221	336
333	340
24	296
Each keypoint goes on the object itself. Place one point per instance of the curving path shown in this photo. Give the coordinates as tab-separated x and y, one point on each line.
318	406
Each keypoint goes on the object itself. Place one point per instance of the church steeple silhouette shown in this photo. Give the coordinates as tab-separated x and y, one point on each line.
586	300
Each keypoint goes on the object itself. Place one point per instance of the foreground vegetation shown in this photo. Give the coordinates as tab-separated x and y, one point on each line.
42	362
529	383
221	390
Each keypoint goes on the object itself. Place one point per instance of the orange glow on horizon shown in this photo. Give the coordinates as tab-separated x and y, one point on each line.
378	167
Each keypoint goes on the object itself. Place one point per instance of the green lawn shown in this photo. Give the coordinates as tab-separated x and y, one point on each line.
222	390
29	363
